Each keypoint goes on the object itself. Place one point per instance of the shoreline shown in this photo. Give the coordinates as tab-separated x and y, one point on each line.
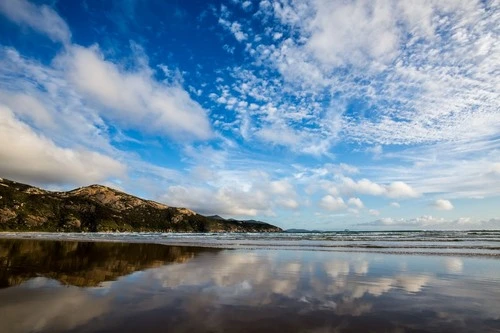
214	241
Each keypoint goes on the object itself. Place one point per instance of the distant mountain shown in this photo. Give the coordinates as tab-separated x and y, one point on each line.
303	231
100	208
217	217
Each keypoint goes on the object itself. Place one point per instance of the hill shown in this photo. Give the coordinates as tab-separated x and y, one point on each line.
100	208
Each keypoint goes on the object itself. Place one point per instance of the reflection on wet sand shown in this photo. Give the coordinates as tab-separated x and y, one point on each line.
259	291
82	264
40	307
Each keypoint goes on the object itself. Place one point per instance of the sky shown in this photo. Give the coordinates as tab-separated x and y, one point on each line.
318	114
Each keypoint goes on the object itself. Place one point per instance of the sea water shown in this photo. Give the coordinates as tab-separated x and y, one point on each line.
484	243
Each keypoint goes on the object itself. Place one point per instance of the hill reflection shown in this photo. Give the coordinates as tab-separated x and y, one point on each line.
82	264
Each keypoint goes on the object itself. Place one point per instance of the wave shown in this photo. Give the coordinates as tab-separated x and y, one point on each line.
482	243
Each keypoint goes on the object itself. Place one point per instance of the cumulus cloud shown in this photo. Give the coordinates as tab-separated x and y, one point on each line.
355	202
41	18
442	204
281	187
332	203
396	189
363	186
235	193
30	157
400	189
222	201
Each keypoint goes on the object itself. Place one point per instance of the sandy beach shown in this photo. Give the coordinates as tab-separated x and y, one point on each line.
86	286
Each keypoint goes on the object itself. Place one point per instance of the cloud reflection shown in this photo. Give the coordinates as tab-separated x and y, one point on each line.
37	309
233	290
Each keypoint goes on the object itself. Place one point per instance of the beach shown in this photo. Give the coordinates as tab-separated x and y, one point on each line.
295	285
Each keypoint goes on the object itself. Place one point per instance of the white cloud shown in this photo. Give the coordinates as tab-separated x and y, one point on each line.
288	203
396	189
349	169
281	187
41	97
457	170
331	203
233	192
400	189
29	157
131	97
395	204
28	106
351	32
246	5
442	204
495	169
134	98
41	18
374	212
433	85
355	202
234	28
222	201
363	186
279	136
431	222
376	151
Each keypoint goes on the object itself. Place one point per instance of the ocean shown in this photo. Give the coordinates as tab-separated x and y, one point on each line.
463	243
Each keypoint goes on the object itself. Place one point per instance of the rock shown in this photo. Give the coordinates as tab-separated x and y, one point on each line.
34	220
6	214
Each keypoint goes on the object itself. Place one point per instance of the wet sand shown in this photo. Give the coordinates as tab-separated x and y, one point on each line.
68	286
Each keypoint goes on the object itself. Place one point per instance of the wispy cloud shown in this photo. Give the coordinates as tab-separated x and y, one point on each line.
42	18
134	98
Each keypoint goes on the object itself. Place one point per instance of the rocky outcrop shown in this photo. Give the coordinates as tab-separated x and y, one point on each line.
100	208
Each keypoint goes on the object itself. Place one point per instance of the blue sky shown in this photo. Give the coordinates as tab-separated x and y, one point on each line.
307	114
